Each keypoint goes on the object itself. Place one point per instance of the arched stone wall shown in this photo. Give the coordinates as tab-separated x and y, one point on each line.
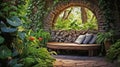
51	18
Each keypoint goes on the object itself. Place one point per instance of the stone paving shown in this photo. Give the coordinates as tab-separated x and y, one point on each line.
82	61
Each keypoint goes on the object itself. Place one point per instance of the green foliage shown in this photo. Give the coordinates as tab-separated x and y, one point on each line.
45	35
28	61
9	26
37	13
14	63
14	21
107	8
34	55
74	21
8	30
1	39
8	9
24	52
114	52
39	58
5	52
88	26
31	49
103	37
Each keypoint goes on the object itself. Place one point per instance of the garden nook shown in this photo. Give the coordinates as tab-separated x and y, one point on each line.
65	39
59	33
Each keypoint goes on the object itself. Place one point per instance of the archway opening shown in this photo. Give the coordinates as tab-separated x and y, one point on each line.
71	35
76	18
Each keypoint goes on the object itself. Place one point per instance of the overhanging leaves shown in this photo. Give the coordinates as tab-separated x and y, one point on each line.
14	21
8	30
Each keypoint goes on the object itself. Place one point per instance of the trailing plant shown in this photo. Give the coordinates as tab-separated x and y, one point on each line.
114	52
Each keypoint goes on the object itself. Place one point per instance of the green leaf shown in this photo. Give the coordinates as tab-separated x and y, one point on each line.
13	13
1	39
21	35
14	21
1	14
15	53
14	7
28	61
8	30
5	52
6	9
18	65
12	62
2	24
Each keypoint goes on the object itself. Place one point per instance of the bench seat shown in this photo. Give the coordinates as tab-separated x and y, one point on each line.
73	46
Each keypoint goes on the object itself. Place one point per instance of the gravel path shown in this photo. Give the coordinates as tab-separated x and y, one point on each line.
82	61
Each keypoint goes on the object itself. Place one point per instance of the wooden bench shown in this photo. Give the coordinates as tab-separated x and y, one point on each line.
72	46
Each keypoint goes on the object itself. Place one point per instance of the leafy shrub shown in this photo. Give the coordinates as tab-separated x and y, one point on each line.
5	52
114	52
1	39
44	35
31	52
102	37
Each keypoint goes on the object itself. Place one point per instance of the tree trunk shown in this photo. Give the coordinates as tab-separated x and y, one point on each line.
83	15
66	14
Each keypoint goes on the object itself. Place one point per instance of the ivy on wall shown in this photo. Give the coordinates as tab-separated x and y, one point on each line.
107	8
39	10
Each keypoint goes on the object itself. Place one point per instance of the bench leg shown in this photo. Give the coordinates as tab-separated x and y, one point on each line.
90	53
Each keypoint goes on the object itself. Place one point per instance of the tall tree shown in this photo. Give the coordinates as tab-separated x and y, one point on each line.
83	15
67	13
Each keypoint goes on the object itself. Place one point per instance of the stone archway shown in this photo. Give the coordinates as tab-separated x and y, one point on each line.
51	18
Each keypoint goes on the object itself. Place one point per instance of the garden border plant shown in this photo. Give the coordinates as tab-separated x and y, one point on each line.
12	52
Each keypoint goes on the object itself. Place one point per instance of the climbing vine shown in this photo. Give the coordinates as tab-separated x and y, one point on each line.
39	10
107	8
